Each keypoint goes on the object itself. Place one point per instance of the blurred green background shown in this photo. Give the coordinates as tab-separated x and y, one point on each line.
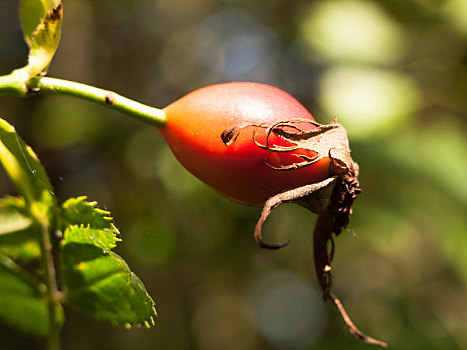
394	73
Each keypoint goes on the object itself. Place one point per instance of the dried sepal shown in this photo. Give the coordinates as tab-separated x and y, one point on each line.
331	199
351	326
324	140
314	197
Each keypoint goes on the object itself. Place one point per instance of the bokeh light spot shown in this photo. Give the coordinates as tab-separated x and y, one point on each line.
368	101
352	30
289	314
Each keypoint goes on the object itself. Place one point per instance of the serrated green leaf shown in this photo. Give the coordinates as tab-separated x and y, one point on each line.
77	211
106	240
26	172
89	222
22	297
41	21
99	282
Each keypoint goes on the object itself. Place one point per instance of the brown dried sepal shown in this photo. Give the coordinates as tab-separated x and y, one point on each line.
325	141
331	199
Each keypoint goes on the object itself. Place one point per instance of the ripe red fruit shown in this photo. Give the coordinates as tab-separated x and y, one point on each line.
197	131
258	145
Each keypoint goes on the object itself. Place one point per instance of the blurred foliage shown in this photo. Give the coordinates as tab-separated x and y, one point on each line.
393	71
92	277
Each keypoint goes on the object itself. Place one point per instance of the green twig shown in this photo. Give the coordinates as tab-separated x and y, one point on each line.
139	111
50	281
15	83
10	85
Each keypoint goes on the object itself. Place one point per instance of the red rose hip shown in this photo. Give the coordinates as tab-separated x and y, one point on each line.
242	170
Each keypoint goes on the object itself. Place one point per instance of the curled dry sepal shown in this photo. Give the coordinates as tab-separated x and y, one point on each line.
331	198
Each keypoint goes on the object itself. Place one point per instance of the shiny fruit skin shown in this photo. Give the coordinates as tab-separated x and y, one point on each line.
239	171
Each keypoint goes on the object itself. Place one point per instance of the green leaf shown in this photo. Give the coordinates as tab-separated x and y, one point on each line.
32	13
99	282
18	235
86	235
77	211
13	215
26	172
22	299
41	21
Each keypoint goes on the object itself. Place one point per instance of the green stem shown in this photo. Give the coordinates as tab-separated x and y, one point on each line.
15	83
11	85
50	281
